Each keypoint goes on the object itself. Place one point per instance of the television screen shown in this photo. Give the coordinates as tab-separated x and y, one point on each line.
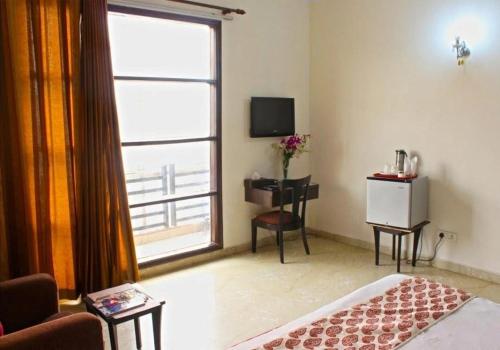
272	116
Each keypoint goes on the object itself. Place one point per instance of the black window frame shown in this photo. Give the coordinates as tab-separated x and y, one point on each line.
216	157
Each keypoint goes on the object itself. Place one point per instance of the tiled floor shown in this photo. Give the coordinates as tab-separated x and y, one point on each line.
215	305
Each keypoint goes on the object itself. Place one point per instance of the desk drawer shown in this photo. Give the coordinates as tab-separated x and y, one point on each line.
271	198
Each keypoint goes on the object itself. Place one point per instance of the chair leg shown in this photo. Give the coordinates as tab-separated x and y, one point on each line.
278	238
304	239
282	255
254	237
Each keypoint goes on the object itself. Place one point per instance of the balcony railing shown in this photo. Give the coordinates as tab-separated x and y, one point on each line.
168	184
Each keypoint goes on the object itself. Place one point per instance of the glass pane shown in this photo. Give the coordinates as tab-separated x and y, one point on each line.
161	171
164	228
154	47
162	110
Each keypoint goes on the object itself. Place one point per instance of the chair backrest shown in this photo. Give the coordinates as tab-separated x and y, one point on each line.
299	188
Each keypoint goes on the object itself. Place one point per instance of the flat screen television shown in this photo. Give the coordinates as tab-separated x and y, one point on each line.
272	116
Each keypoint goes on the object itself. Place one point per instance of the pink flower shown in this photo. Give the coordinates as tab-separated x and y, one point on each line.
292	146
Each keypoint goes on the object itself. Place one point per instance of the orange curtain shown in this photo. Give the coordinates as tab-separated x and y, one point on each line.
38	87
63	207
106	254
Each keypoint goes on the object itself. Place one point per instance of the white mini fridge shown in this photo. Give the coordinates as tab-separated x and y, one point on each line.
398	203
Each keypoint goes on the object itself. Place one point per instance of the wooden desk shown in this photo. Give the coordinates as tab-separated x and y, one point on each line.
267	193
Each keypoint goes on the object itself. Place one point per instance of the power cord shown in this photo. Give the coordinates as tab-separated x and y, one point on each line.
436	248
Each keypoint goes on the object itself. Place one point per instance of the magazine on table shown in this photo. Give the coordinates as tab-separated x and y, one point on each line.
122	301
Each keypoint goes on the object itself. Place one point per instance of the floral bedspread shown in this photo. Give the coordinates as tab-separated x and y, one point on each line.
384	322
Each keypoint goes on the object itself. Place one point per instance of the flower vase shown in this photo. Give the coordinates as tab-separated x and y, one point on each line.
286	163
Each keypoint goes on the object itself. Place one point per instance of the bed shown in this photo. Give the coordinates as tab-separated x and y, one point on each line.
475	325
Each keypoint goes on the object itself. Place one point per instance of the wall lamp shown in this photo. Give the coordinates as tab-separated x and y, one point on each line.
463	52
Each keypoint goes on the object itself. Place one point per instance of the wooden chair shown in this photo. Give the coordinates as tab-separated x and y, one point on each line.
282	220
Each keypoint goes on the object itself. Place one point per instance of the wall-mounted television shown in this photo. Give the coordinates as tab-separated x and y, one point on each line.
272	116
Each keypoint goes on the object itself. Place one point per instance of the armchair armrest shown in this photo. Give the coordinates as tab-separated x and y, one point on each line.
81	331
27	301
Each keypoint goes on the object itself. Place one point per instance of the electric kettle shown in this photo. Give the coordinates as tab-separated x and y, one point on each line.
400	160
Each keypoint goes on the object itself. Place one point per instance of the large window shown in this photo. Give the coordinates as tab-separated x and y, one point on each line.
167	83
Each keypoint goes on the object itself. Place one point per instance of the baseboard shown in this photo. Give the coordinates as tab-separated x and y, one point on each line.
153	271
438	263
352	241
270	240
466	270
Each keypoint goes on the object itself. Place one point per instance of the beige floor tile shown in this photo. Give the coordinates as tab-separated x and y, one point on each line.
217	304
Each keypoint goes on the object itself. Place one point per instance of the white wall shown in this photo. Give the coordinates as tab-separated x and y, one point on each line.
264	53
383	77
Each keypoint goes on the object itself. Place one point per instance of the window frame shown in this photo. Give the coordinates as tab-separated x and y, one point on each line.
216	137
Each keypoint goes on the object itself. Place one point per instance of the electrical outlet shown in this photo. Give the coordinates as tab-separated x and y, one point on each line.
450	236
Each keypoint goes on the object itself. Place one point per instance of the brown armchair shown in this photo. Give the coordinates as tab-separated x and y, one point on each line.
29	312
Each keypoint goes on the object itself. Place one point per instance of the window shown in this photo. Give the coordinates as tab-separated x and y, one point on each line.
167	84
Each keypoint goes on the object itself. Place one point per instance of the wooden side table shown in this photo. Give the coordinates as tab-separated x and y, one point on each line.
399	232
152	307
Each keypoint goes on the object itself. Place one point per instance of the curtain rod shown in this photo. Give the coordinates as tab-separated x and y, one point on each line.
224	10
